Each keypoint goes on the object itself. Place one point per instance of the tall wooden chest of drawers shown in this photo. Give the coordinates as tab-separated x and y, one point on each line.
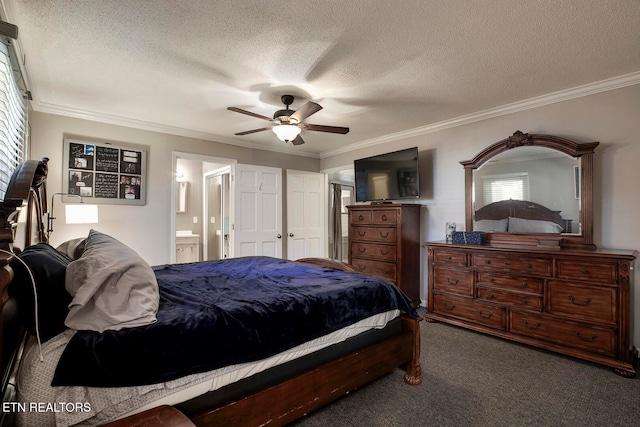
577	303
384	240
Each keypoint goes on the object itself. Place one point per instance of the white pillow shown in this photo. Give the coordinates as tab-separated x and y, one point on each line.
112	287
490	225
520	225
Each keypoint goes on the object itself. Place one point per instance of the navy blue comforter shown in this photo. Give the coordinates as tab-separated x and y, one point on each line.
214	314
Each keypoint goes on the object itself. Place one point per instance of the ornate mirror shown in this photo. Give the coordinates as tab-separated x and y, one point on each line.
532	190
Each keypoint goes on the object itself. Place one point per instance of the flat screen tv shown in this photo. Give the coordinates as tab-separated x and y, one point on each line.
387	177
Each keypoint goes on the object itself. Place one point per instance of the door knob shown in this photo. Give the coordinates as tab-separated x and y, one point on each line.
290	234
279	236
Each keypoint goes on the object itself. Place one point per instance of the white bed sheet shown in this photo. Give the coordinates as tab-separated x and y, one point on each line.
86	406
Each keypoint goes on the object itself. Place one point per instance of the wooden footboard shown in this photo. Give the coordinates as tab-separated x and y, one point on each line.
282	403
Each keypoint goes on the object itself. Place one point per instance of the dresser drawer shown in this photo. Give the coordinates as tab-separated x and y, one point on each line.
450	257
386	270
570	334
372	250
593	303
454	281
589	271
360	217
374	234
470	310
527	284
505	297
381	217
537	266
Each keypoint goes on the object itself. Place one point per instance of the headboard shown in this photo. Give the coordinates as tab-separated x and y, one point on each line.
26	188
518	209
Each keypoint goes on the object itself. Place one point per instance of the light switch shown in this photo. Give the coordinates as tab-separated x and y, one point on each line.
212	220
195	219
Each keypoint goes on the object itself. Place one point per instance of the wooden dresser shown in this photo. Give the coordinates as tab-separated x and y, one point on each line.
577	303
384	240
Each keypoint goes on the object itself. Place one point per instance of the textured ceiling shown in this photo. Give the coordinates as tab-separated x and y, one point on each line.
378	67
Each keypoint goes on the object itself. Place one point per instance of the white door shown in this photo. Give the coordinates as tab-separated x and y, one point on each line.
257	211
306	215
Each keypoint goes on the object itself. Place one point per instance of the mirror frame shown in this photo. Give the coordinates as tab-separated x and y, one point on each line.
582	150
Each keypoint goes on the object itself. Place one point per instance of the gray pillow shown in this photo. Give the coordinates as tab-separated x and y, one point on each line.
112	287
519	225
490	225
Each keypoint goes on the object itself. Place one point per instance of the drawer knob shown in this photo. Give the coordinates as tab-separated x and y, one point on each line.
449	258
488	261
490	279
385	235
485	314
586	301
360	217
384	252
490	296
385	271
362	250
452	282
584	271
384	217
362	233
361	267
590	339
449	307
507	263
526	324
524	301
527	265
523	284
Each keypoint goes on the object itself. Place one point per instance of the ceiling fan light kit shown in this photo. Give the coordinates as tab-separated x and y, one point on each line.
286	133
288	123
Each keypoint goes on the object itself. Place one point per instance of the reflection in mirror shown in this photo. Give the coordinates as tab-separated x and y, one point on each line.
181	196
553	178
537	174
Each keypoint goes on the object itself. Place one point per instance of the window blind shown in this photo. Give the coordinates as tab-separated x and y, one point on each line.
13	121
505	187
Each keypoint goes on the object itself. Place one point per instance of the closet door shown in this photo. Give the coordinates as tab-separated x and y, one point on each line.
257	211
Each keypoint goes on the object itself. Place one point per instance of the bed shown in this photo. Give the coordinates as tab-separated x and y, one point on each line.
510	221
275	368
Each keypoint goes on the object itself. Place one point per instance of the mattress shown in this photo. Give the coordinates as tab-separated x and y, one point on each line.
43	405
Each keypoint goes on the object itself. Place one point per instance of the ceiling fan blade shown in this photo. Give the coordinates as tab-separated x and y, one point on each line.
321	128
248	113
298	140
247	132
305	111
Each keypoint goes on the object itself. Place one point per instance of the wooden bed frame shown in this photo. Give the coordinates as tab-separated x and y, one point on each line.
275	405
518	209
525	210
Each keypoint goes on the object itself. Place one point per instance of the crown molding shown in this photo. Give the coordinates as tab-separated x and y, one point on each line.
552	98
160	128
527	104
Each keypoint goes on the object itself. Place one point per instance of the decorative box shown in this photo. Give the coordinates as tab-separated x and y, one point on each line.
469	237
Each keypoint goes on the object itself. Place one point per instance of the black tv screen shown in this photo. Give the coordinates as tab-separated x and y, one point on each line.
390	176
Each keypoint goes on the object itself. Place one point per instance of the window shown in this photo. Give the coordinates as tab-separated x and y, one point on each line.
505	187
13	121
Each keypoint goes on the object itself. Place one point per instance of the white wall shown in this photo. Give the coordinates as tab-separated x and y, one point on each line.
612	117
146	229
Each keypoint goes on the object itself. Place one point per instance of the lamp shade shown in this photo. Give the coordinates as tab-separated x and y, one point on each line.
81	214
286	132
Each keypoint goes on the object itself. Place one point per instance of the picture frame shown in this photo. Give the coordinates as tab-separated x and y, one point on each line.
105	172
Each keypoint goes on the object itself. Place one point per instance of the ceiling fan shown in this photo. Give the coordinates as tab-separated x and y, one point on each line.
288	123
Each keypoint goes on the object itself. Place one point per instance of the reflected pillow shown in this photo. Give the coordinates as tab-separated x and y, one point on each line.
72	248
112	287
491	225
520	225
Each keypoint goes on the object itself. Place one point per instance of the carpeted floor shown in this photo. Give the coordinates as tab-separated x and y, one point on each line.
470	379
